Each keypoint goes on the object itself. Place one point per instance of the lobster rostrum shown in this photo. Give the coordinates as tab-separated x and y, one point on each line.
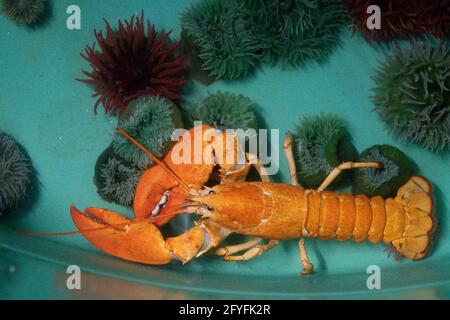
263	210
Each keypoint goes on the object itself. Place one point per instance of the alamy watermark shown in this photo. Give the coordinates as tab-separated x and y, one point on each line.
374	280
374	20
74	279
73	22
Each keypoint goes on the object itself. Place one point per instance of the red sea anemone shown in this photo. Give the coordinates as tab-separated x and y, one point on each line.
132	63
402	18
436	18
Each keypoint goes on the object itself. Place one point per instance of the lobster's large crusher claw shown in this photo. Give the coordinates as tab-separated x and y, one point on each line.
123	238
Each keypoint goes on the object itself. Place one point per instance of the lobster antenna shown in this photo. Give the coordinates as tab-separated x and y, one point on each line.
106	227
154	158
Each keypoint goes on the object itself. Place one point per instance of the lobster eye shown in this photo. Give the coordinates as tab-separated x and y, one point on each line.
210	208
211	192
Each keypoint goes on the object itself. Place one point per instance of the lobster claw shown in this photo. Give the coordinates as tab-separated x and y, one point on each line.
155	181
138	242
152	187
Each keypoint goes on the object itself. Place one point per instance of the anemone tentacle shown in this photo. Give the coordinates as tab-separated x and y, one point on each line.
15	171
131	62
224	110
228	48
296	31
151	120
321	143
412	95
395	172
25	12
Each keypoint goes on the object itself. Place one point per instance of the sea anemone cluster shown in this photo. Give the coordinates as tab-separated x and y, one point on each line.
321	144
15	172
224	110
133	61
25	12
412	94
402	18
116	179
233	36
151	121
296	31
396	170
227	46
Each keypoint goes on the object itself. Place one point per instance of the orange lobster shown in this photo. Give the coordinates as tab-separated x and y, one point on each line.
263	210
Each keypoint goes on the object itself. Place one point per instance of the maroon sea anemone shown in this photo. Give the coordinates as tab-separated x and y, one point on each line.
402	18
396	20
131	63
435	18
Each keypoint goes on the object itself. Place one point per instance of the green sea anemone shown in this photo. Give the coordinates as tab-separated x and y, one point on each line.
151	121
15	171
396	170
412	95
25	12
227	47
321	144
224	110
296	31
116	179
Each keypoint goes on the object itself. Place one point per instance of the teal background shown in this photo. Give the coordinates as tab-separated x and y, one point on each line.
51	115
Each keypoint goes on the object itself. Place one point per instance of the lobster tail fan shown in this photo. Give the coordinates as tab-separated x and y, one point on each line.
419	221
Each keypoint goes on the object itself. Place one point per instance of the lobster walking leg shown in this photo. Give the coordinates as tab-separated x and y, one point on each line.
262	171
308	267
287	147
345	166
253	252
229	250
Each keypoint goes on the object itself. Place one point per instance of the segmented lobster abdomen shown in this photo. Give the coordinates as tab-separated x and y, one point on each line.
405	221
344	216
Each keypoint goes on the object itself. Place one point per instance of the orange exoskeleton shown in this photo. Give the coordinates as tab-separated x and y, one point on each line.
263	210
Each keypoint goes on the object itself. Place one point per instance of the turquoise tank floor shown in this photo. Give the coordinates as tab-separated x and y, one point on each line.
51	115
